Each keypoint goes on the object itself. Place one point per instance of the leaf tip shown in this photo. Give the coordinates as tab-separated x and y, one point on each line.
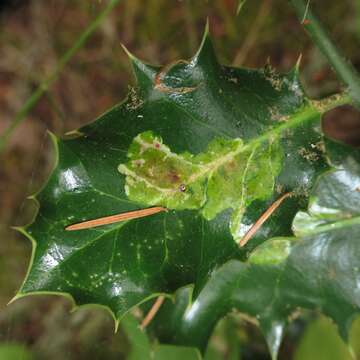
344	326
19	229
73	134
55	143
297	64
52	136
116	325
19	295
127	52
205	40
273	332
206	53
240	6
16	297
207	28
143	72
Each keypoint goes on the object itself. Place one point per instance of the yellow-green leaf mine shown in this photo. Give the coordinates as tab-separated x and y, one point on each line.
227	175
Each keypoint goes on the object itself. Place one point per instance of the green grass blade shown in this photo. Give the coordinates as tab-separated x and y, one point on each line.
43	87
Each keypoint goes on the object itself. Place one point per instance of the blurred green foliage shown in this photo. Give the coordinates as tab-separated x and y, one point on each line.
14	352
321	341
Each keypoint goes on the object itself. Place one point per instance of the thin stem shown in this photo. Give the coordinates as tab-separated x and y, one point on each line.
43	87
252	35
344	69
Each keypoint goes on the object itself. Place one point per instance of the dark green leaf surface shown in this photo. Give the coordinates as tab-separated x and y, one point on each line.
198	110
318	269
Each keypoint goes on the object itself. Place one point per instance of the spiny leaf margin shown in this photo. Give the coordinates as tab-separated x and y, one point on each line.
145	75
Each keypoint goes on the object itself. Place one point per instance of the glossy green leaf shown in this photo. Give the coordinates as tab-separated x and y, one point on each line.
216	145
319	269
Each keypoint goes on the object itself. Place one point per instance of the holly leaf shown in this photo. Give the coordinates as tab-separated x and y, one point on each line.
317	269
214	144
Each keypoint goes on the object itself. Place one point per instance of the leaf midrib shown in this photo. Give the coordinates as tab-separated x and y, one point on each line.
302	117
340	224
307	114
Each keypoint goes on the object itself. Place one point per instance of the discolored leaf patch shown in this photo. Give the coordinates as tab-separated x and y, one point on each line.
228	174
318	269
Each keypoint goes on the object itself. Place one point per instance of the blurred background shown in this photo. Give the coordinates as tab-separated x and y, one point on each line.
34	35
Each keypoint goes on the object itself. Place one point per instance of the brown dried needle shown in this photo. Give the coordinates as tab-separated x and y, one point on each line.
116	218
153	311
251	232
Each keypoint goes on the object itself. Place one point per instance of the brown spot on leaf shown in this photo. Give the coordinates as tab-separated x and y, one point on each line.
230	166
173	177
